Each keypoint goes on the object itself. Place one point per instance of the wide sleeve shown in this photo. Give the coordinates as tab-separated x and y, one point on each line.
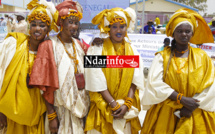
7	51
95	78
44	72
138	77
10	26
207	98
156	90
83	46
87	45
19	26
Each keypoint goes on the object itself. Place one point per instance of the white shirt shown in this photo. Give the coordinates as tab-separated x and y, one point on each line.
20	27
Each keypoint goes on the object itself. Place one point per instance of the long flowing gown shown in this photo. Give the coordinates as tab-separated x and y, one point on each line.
118	82
23	106
195	80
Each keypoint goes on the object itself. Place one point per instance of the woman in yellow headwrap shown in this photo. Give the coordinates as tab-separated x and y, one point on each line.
113	92
22	106
180	88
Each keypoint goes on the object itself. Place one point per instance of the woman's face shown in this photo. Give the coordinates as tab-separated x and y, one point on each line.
117	32
183	34
70	26
38	29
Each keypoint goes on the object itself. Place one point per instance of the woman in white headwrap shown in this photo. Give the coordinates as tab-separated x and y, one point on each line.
180	87
21	106
113	92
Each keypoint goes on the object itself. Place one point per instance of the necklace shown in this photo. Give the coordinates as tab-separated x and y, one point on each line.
182	52
29	66
74	58
120	50
178	67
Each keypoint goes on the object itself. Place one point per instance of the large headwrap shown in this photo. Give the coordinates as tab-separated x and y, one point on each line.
69	8
44	11
201	31
109	16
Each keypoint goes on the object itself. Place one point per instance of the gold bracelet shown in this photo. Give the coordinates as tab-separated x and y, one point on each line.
116	107
179	97
52	116
129	99
128	102
128	106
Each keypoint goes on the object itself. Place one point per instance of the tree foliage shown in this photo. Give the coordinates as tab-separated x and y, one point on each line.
198	4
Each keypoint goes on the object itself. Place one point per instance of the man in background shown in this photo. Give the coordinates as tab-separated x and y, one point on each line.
212	27
17	25
81	42
157	21
149	28
3	22
166	43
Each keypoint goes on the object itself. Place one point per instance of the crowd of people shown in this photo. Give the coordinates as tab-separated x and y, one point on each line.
212	27
17	24
45	88
153	27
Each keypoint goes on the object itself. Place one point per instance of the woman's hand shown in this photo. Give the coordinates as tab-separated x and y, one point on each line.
113	104
54	125
190	103
187	102
3	121
97	41
47	38
184	112
119	113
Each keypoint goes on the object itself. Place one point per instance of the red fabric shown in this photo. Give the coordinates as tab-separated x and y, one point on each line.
63	8
213	32
83	46
44	72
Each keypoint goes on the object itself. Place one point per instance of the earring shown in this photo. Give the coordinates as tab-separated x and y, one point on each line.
61	28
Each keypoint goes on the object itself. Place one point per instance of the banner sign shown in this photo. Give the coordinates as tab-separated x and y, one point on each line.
146	44
92	7
209	48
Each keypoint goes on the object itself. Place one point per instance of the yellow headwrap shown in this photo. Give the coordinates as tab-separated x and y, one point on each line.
44	11
108	16
201	31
